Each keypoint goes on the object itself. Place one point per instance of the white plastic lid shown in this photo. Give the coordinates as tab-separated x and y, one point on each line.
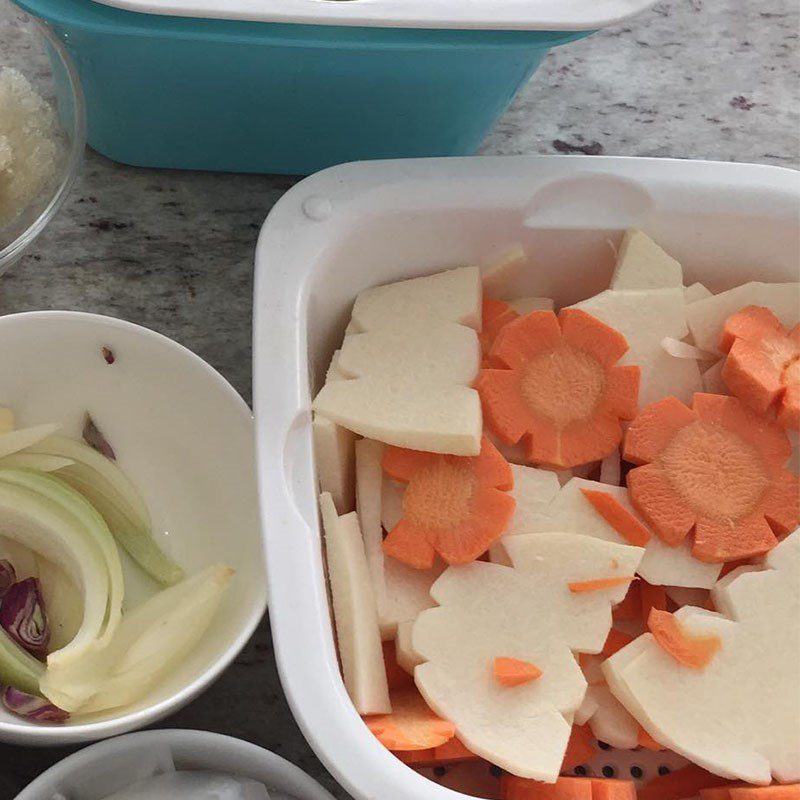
554	15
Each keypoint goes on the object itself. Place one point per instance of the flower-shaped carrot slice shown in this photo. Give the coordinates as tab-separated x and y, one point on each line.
717	470
763	364
559	387
454	505
411	725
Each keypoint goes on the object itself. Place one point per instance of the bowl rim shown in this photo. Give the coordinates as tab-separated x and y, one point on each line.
25	733
177	737
14	249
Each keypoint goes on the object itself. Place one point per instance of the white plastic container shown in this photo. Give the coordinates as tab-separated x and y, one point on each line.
364	224
89	773
184	436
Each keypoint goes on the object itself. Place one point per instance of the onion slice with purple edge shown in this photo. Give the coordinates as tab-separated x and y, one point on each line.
31	707
24	618
7	577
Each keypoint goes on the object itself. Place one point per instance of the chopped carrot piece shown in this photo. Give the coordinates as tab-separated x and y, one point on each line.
513	672
581	747
717	792
396	676
452	752
618	517
680	784
416	758
715	470
558	387
615	641
631	606
454	505
514	788
496	315
652	597
578	587
691	651
788	791
411	725
763	364
647	741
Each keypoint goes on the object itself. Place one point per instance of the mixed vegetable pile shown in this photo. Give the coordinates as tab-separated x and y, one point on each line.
552	531
69	648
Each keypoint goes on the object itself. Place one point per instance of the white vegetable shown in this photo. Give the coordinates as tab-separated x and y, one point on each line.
14	441
642	264
679	349
194	785
335	461
35	461
502	268
524	305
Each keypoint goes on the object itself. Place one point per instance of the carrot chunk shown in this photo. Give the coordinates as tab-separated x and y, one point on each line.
396	676
652	597
647	741
789	791
615	641
452	752
513	672
763	364
609	789
691	651
557	385
578	587
581	747
681	784
514	788
618	517
454	505
411	725
715	471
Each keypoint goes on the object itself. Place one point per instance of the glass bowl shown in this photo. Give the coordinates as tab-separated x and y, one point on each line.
32	48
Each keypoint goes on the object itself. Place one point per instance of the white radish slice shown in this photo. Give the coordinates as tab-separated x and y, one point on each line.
642	264
525	305
502	269
611	469
392	493
679	349
407	657
334	457
334	373
697	291
687	596
712	379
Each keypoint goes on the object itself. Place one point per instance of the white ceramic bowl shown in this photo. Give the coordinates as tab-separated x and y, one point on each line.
185	438
363	224
84	775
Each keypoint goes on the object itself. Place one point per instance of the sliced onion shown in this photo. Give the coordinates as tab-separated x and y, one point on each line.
7	577
24	618
31	707
679	349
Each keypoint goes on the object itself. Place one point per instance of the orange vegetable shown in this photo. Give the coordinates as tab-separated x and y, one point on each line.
558	387
513	672
514	788
681	784
618	517
631	606
615	641
396	676
578	587
652	597
647	741
763	364
581	747
454	505
788	791
452	752
691	651
715	470
496	314
718	792
411	725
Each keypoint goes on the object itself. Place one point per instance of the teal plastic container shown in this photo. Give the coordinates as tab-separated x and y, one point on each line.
167	91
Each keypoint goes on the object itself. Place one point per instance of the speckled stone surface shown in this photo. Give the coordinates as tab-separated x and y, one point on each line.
715	79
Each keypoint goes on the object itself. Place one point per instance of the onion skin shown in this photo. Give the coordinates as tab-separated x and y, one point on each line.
24	619
8	577
95	439
36	709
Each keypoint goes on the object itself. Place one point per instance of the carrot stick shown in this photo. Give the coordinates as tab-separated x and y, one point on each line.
616	515
578	587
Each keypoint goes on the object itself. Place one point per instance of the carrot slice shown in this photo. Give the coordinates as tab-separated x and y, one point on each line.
396	676
615	641
647	741
652	597
452	752
581	747
716	793
610	789
514	788
454	505
680	784
578	587
618	517
558	386
789	791
514	672
411	725
631	606
696	652
496	315
763	364
715	470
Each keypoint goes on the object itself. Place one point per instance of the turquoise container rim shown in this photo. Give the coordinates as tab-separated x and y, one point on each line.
99	18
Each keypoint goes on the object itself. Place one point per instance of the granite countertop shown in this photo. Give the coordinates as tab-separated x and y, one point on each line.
714	79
